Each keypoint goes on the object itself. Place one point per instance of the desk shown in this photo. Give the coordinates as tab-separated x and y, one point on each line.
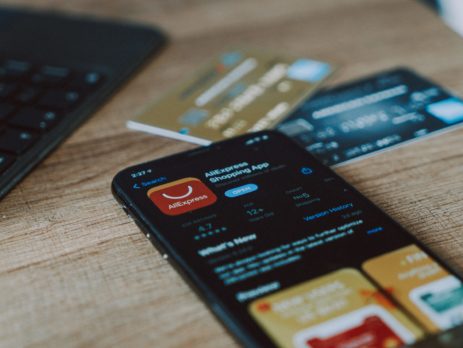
76	272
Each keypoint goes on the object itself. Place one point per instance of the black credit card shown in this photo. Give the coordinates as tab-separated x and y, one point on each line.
370	115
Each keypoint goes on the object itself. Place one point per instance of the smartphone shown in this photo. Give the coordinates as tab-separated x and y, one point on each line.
285	252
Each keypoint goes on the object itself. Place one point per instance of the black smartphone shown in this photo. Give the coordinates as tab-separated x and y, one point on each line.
285	252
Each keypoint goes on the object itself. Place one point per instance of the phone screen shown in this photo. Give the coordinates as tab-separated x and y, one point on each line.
286	252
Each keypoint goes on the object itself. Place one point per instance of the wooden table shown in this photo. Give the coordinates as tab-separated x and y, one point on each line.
75	271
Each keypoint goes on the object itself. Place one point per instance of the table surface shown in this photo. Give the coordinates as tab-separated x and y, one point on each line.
75	271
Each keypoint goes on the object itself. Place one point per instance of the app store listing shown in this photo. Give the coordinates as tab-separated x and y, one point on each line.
297	257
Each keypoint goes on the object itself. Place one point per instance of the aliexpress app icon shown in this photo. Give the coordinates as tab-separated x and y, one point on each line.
181	196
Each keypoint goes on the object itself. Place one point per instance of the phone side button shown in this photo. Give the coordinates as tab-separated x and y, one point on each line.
124	208
153	241
150	238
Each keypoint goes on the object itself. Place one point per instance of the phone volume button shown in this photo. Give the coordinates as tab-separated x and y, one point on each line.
140	226
126	210
153	240
147	235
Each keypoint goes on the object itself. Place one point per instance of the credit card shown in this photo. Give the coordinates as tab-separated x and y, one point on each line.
372	114
239	91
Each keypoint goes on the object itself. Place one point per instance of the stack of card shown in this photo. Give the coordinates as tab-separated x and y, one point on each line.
244	91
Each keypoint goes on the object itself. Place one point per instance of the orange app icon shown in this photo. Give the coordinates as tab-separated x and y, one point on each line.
181	196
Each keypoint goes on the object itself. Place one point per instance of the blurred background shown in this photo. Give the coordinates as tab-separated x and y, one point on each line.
451	11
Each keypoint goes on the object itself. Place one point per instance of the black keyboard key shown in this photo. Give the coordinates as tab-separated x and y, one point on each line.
51	75
5	161
5	110
16	141
7	89
87	81
60	99
15	69
93	78
39	120
27	95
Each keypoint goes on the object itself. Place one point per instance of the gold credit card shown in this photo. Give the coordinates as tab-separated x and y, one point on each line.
239	91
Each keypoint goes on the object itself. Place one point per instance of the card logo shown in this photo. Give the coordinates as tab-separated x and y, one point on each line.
181	196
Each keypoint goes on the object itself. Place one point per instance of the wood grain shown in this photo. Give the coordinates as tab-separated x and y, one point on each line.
76	272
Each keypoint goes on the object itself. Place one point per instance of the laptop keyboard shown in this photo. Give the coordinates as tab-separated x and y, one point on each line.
34	98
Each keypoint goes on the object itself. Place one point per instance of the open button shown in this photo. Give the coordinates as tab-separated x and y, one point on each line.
241	190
